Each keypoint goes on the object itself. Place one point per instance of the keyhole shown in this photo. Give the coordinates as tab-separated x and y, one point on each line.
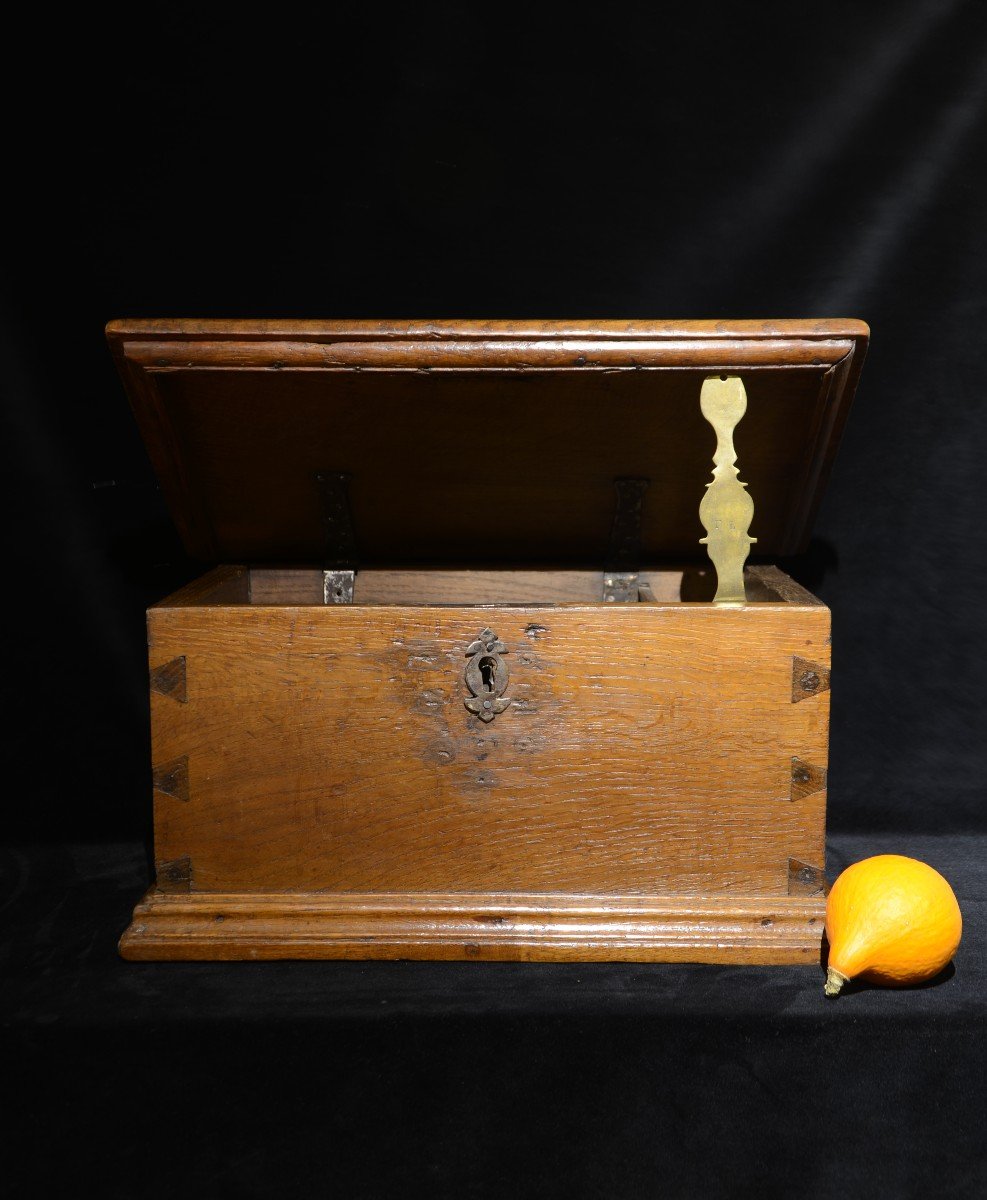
488	670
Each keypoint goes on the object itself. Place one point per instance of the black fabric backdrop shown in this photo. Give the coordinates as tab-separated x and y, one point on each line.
724	160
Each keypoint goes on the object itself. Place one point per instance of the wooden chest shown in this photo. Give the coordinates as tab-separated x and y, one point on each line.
472	689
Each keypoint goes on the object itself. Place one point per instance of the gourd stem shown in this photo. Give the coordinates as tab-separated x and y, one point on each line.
834	982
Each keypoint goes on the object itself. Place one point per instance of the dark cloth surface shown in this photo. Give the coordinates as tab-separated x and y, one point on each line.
468	1079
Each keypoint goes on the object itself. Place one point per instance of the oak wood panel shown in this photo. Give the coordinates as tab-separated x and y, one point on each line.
302	585
491	442
424	488
648	750
770	582
222	585
383	586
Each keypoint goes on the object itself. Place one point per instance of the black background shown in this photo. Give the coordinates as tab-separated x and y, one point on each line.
623	161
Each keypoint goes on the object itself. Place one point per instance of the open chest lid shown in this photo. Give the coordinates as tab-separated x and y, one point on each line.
477	442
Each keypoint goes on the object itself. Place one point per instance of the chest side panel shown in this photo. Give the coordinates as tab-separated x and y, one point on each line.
645	750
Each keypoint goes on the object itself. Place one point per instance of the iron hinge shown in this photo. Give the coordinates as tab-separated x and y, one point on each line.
339	572
621	579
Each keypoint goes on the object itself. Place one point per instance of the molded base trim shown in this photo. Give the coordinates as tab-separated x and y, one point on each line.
506	927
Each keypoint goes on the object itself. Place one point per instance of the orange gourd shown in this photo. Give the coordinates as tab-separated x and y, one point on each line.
890	920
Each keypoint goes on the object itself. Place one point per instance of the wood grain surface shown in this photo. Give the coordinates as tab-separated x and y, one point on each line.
169	925
304	585
647	755
647	750
478	443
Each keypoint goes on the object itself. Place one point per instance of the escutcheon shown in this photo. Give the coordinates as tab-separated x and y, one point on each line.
487	675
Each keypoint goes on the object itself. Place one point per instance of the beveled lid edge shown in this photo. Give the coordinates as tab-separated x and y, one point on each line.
259	330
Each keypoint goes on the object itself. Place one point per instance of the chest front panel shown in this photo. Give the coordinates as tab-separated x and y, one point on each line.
644	751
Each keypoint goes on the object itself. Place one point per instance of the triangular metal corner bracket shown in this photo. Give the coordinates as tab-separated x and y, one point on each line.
174	874
170	679
808	679
171	778
807	779
805	879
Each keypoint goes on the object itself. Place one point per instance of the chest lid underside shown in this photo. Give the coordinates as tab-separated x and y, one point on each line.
478	442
